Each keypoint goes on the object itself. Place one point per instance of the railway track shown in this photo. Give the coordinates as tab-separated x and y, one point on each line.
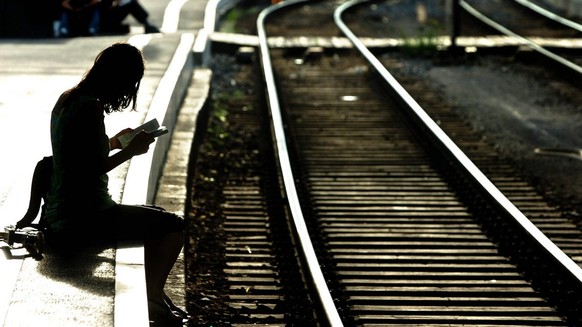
529	19
520	17
404	247
403	237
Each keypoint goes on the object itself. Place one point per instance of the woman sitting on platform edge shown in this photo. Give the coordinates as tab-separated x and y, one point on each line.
79	208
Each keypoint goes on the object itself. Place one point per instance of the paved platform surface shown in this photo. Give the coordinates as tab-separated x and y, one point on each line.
80	291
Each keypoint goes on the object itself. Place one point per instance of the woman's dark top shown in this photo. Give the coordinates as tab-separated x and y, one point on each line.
80	147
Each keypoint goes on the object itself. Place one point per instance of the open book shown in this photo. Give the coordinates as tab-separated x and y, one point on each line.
152	127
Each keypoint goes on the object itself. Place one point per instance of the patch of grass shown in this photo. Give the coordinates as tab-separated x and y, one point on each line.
229	22
425	43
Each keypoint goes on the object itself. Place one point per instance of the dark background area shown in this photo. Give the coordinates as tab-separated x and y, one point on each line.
28	18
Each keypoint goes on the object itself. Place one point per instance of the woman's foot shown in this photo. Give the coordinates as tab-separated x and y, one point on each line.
149	28
177	310
162	315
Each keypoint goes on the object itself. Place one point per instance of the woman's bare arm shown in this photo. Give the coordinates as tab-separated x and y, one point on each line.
139	145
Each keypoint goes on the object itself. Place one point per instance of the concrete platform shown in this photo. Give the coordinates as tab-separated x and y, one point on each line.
85	290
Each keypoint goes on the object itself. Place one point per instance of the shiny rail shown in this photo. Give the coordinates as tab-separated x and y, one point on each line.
523	40
312	268
550	15
567	267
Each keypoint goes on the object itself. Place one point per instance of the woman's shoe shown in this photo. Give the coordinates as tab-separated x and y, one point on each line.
162	315
177	310
150	29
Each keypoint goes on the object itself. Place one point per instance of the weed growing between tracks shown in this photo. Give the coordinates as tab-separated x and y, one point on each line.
214	160
232	153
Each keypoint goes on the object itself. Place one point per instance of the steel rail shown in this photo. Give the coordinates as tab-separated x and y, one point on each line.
313	269
550	15
525	41
482	181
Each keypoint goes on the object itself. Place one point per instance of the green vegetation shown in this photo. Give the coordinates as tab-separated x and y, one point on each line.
425	43
229	22
217	130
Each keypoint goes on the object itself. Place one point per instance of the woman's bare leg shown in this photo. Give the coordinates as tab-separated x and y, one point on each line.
160	256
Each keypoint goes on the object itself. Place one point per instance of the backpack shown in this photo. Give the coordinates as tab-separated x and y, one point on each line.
41	181
30	235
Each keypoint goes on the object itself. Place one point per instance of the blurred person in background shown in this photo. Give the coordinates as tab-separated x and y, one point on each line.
113	12
79	17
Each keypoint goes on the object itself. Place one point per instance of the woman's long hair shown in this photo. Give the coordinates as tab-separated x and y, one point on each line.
115	77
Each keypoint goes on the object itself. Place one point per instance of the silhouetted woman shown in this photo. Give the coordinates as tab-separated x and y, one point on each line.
79	208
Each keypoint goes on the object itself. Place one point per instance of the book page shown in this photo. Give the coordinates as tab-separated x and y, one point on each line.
150	127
